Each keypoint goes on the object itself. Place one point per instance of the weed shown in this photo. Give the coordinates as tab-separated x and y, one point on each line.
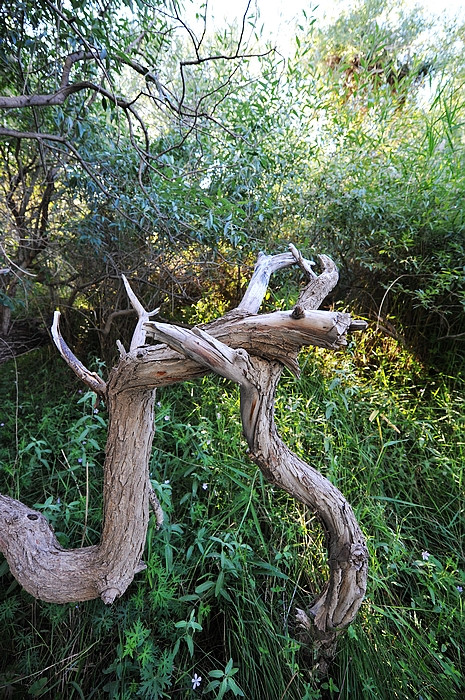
213	613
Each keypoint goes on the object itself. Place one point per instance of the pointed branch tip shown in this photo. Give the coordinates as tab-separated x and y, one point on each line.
92	379
132	297
305	264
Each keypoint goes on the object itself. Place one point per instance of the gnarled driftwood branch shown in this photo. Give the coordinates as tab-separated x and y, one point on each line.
248	348
258	376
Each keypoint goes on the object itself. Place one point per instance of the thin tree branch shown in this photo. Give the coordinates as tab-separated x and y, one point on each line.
226	57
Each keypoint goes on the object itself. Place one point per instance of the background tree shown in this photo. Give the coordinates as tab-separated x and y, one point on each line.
383	185
111	118
160	136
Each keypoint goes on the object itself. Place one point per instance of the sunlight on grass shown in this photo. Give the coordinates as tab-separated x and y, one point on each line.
236	556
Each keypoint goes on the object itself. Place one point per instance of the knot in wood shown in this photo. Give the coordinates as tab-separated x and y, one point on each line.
298	312
359	555
109	595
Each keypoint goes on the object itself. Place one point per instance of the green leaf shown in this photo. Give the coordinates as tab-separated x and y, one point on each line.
38	687
235	688
204	587
216	673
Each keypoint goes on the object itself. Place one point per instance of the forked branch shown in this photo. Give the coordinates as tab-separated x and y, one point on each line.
249	349
336	606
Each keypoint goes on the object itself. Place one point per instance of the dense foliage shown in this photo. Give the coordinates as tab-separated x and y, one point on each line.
108	170
236	557
381	183
176	154
180	155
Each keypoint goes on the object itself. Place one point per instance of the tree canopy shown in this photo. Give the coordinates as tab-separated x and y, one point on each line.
132	143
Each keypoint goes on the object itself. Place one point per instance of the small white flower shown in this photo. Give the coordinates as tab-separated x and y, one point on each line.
196	681
167	481
425	556
167	417
158	404
205	486
460	589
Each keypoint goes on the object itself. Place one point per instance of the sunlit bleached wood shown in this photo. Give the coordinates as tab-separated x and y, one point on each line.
139	335
250	349
91	379
338	603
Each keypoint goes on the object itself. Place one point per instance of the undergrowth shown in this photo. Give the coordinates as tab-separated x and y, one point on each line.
213	614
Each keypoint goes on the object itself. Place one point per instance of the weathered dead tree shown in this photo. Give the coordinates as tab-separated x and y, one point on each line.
249	349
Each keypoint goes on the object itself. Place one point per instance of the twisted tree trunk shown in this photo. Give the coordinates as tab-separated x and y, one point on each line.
249	349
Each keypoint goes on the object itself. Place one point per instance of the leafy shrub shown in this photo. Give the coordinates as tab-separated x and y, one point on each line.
213	612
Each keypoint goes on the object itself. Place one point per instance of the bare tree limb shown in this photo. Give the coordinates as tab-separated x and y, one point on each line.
52	573
92	379
338	603
143	316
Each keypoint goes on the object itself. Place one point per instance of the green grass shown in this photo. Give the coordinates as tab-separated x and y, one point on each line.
237	556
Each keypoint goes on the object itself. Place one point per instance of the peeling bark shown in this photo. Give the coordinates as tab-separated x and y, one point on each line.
249	349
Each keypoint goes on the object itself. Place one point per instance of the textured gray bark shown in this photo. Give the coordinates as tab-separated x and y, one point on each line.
258	376
249	349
